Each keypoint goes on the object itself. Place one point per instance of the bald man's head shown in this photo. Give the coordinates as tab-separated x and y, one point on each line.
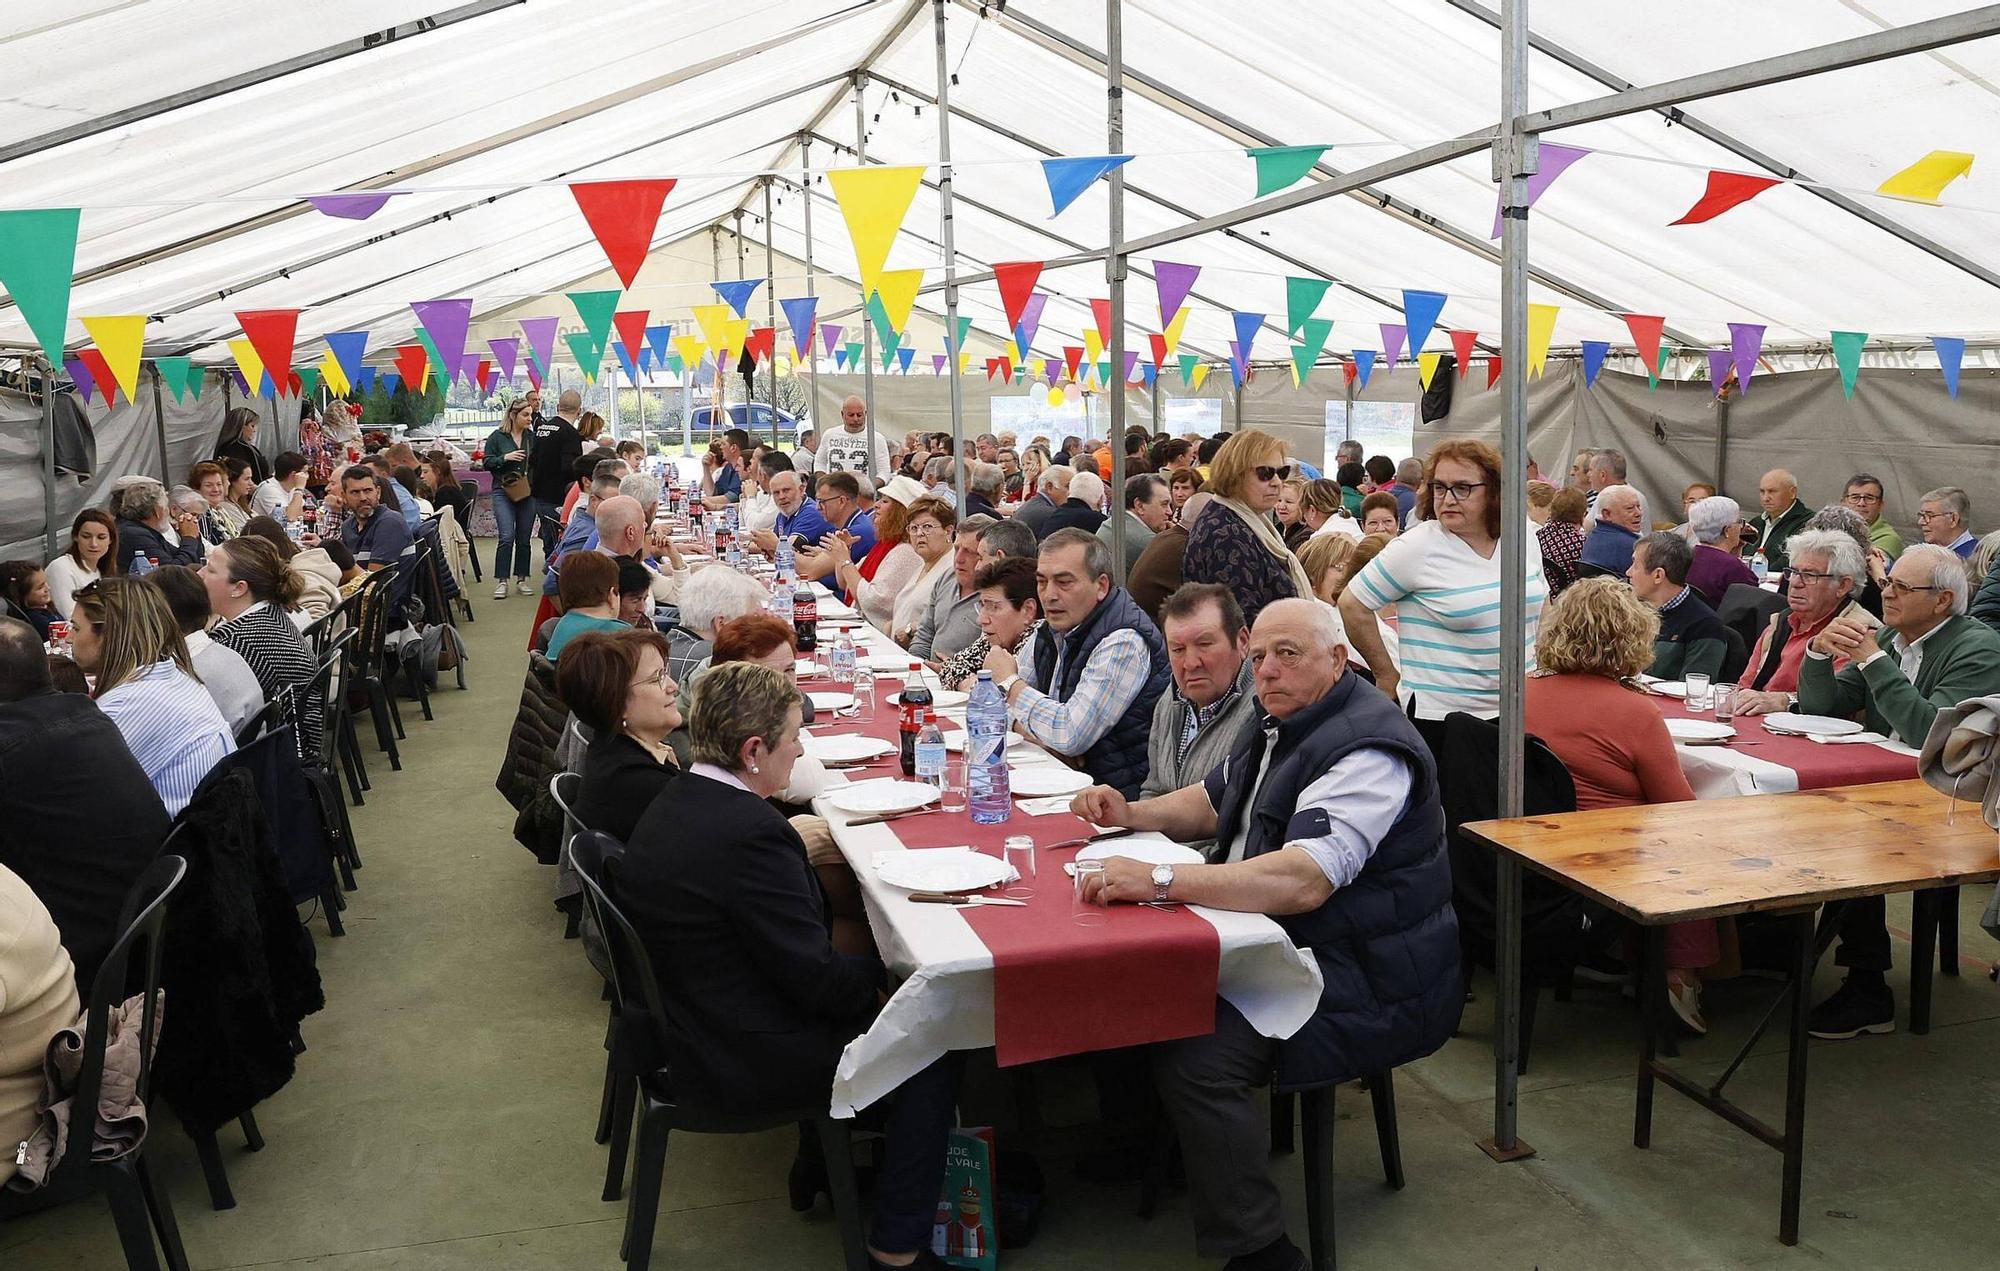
854	414
621	524
1777	490
570	404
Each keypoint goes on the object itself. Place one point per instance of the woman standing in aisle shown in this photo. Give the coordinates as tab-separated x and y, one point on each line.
507	450
1235	541
238	440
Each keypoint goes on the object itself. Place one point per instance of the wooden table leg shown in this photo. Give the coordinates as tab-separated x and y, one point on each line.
1804	955
1652	1002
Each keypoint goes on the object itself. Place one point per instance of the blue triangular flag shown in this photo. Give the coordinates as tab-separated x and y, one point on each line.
364	381
1247	326
1420	314
799	317
1364	365
264	386
737	293
1239	363
390	381
840	358
625	360
1149	373
1594	352
906	355
658	341
347	348
1068	178
1950	353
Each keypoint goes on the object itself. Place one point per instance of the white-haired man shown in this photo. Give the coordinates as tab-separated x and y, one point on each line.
1942	516
1051	488
1607	546
1327	818
846	448
1083	509
1926	656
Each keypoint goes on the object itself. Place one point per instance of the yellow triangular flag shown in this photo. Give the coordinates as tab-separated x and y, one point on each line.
691	350
1093	345
1200	374
120	340
1925	179
736	335
246	357
874	202
898	291
714	322
1173	331
1296	381
332	376
1427	366
1541	329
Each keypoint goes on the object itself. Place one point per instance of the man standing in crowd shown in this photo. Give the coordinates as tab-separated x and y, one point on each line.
1692	639
809	447
1086	684
1409	473
1196	722
1606	469
1579	471
1942	516
1784	515
983	482
1346	452
1927	656
1148	510
1328	820
846	449
552	463
1864	495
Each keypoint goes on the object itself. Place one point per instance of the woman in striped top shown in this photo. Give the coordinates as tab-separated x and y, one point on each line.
122	631
251	590
1443	576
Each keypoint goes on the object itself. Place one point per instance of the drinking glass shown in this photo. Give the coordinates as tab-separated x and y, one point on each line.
1018	850
864	694
1698	696
952	796
1725	701
1082	912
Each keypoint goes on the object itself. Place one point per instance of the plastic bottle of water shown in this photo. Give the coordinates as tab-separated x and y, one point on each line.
843	657
781	602
986	753
787	560
1760	565
141	566
930	751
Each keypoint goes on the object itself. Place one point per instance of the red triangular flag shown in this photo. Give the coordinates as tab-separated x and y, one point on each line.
271	332
1102	308
295	384
623	215
992	368
1725	190
410	363
1461	344
761	342
631	326
1072	358
1159	343
1645	329
1492	372
484	375
1017	283
1349	371
100	370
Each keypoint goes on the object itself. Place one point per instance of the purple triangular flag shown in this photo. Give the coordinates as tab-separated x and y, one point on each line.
1718	369
504	353
1746	340
1393	335
1051	368
447	321
1131	363
1031	319
541	335
1174	282
242	385
1555	160
86	383
830	336
937	363
349	207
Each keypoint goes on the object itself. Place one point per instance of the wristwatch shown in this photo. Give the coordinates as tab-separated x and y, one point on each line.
1007	685
1163	878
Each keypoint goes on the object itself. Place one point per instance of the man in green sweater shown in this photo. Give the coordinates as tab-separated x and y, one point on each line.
1784	515
1864	495
1692	639
1928	656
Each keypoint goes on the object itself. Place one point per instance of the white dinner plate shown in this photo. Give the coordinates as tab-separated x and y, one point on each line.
885	794
1699	729
1152	851
893	663
846	748
942	869
1810	725
828	701
1668	688
942	699
1037	780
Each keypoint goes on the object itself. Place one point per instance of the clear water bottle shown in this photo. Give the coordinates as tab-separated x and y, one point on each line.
1760	565
787	560
141	565
781	602
930	751
843	656
986	753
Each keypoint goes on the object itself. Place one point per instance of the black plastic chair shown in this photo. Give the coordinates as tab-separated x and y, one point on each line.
268	716
364	670
423	577
564	788
321	761
333	630
139	1205
641	1056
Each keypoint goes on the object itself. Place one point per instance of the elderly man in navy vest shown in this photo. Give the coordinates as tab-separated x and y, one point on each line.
1326	817
1086	684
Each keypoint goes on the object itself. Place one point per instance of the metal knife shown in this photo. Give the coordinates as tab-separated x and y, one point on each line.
960	900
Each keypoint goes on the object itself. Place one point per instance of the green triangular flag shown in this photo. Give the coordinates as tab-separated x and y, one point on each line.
964	330
309	381
889	344
1302	296
676	365
1104	372
37	257
878	317
438	368
174	372
595	308
588	353
1302	361
854	353
1847	355
1280	166
1188	362
1659	372
1316	332
197	379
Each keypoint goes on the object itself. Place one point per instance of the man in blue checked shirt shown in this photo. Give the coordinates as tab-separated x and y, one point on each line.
797	514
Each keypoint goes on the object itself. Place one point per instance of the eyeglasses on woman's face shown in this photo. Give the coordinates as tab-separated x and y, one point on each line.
657	679
1459	491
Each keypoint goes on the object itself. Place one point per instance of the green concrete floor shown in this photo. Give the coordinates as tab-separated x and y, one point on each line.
442	1118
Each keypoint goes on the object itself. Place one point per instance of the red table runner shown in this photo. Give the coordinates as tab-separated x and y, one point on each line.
1059	988
1819	766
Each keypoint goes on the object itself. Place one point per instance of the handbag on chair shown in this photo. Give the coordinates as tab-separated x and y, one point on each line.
1961	758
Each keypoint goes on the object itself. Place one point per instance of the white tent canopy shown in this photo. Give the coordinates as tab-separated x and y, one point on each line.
192	211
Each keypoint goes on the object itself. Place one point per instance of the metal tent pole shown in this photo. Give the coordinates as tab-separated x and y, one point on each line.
950	255
1114	272
1514	161
812	358
718	389
771	311
49	458
867	331
160	425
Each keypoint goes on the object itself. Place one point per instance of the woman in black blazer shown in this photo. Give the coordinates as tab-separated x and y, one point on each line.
617	684
238	440
759	1002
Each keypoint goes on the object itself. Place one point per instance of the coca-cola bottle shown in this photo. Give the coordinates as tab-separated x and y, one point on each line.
915	699
805	617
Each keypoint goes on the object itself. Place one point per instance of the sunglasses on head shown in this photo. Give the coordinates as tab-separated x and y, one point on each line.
1265	472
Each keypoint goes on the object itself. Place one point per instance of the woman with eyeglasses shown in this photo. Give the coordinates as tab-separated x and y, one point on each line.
1236	540
1443	576
617	684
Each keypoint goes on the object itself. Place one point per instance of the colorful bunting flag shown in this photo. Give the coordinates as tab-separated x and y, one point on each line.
80	375
589	353
874	201
1247	325
1070	177
100	371
1174	329
348	348
1314	333
435	362
1645	329
1281	166
1594	353
1427	366
799	312
1072	360
1030	321
689	350
391	381
1718	370
1493	370
362	382
1950	355
37	257
1158	343
762	344
597	308
1847	356
1746	341
541	336
1364	365
1925	179
1302	296
447	322
412	366
937	363
1541	330
308	381
631	327
1173	283
1016	280
714	323
623	215
484	375
625	362
505	352
272	333
246	357
1555	160
1724	191
1239	363
350	207
1201	370
178	374
1420	314
898	289
905	356
829	336
738	293
1188	362
956	340
121	339
1393	335
1461	347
